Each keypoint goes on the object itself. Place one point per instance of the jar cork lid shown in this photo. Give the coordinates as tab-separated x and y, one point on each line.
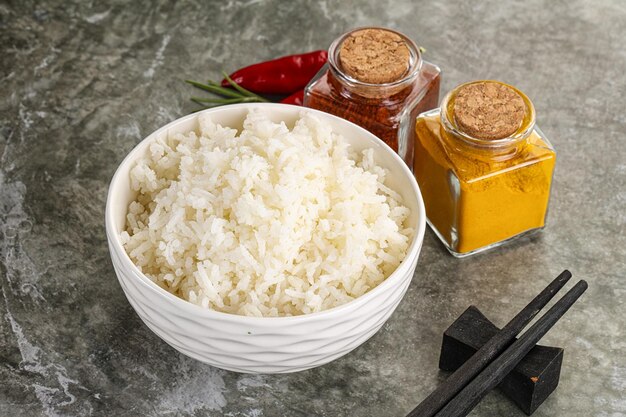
375	56
488	110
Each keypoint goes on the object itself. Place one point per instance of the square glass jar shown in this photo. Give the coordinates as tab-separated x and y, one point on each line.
481	193
387	110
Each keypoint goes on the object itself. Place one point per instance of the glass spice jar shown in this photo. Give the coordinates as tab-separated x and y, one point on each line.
377	79
483	167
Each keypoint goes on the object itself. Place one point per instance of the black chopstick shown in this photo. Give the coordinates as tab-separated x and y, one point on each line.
479	360
497	370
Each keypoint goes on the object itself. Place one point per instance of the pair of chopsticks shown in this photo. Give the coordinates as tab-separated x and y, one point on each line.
469	384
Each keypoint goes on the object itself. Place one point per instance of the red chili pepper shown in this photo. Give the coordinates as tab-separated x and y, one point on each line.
296	98
284	75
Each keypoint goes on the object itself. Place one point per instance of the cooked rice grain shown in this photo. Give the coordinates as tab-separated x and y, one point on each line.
270	222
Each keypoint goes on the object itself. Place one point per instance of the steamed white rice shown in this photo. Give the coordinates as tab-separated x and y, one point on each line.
270	222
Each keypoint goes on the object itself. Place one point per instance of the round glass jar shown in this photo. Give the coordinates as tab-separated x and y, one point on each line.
389	109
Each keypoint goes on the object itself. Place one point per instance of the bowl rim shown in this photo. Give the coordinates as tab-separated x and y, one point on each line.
394	279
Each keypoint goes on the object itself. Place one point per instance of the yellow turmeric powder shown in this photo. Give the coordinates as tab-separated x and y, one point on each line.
483	189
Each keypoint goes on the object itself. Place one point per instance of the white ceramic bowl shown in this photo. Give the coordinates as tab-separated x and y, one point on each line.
263	345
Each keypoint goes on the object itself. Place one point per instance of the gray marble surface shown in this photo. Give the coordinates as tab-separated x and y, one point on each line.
82	83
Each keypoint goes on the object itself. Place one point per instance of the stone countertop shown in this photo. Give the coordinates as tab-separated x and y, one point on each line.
82	83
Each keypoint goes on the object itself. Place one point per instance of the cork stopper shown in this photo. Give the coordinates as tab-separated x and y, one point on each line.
488	110
375	56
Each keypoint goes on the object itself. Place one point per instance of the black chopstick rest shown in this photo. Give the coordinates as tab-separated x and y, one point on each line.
456	382
490	377
530	382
